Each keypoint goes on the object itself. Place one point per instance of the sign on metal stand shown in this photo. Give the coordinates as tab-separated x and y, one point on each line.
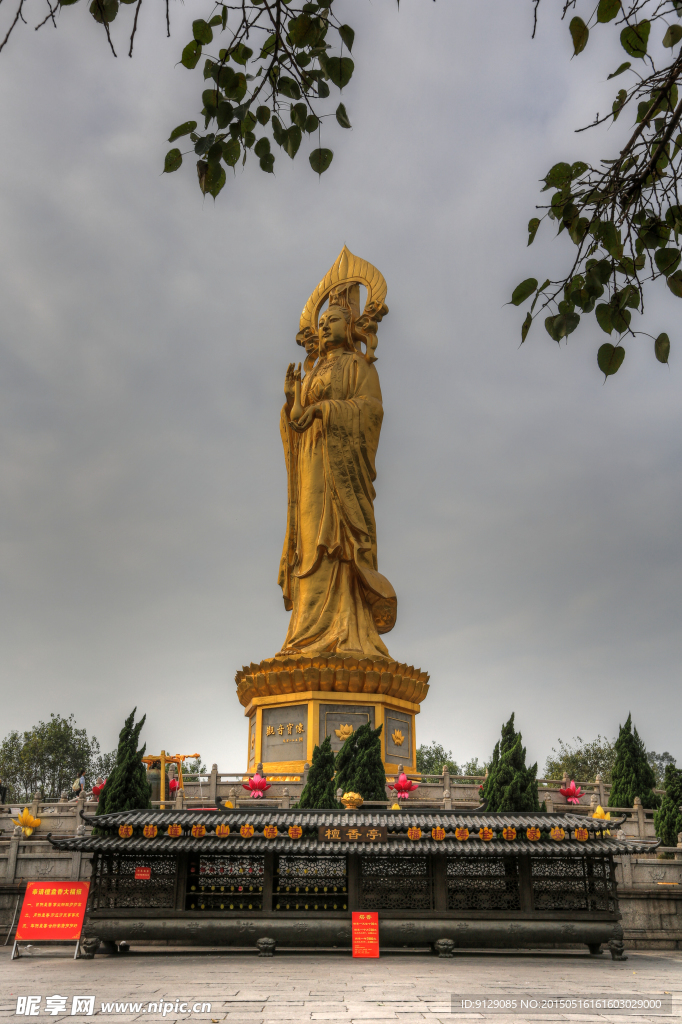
365	928
52	912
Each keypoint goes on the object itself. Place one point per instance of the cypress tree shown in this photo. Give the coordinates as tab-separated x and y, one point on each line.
369	776
668	819
511	786
632	774
320	789
127	788
345	761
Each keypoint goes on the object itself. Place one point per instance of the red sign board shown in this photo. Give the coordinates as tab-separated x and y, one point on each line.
53	910
365	934
144	873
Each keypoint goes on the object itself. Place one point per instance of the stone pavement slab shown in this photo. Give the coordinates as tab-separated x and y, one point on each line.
331	988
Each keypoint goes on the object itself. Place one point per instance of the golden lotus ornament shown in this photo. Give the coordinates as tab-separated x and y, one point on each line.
26	822
344	731
351	801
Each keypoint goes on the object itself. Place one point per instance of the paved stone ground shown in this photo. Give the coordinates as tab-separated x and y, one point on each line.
297	988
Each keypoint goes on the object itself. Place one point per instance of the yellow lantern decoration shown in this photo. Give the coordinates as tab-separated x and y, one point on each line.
582	835
509	833
222	830
414	833
174	831
270	831
557	834
246	831
149	831
295	832
198	831
438	834
486	834
533	834
462	834
125	831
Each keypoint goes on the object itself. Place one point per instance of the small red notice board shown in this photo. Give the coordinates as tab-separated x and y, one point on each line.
365	934
143	873
52	911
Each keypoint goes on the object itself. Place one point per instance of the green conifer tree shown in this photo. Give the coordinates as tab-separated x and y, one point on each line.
320	789
368	773
510	785
127	788
345	763
632	774
668	819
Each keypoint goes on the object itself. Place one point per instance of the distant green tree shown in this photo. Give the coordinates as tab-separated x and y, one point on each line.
632	774
668	818
48	758
127	788
581	761
659	763
475	767
320	789
510	785
431	758
369	775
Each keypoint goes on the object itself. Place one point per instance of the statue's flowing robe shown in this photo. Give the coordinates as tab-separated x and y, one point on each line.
328	571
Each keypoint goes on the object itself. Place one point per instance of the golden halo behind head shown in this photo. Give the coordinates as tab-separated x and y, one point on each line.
344	278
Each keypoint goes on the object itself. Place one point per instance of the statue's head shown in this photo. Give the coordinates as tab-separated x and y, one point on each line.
335	329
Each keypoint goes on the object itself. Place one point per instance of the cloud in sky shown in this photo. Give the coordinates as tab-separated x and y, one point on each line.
528	515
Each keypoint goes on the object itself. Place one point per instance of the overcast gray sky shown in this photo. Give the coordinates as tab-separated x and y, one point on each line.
528	516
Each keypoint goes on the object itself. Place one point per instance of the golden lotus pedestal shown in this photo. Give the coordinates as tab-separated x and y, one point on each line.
293	702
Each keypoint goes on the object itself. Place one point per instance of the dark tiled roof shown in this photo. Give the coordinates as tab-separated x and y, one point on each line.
283	844
397	824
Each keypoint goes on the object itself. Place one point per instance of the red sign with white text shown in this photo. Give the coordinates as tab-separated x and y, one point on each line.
365	934
144	873
53	910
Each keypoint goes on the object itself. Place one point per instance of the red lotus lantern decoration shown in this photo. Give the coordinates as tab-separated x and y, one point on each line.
257	785
572	793
96	790
173	785
403	786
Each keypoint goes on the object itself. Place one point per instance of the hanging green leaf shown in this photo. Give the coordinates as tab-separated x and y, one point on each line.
215	179
267	163
263	115
667	260
202	32
620	70
312	123
670	39
340	70
557	176
191	54
173	161
619	103
580	33
675	283
268	46
262	147
294	137
347	35
620	318
523	291
551	329
320	160
634	38
288	87
231	151
182	129
533	225
610	358
342	116
607	10
104	10
241	53
603	315
525	327
662	348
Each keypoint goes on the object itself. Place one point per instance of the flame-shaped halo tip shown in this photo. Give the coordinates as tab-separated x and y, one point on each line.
348	269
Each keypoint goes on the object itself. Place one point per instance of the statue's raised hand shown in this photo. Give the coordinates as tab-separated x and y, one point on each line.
289	384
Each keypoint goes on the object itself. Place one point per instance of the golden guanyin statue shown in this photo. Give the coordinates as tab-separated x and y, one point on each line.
330	425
